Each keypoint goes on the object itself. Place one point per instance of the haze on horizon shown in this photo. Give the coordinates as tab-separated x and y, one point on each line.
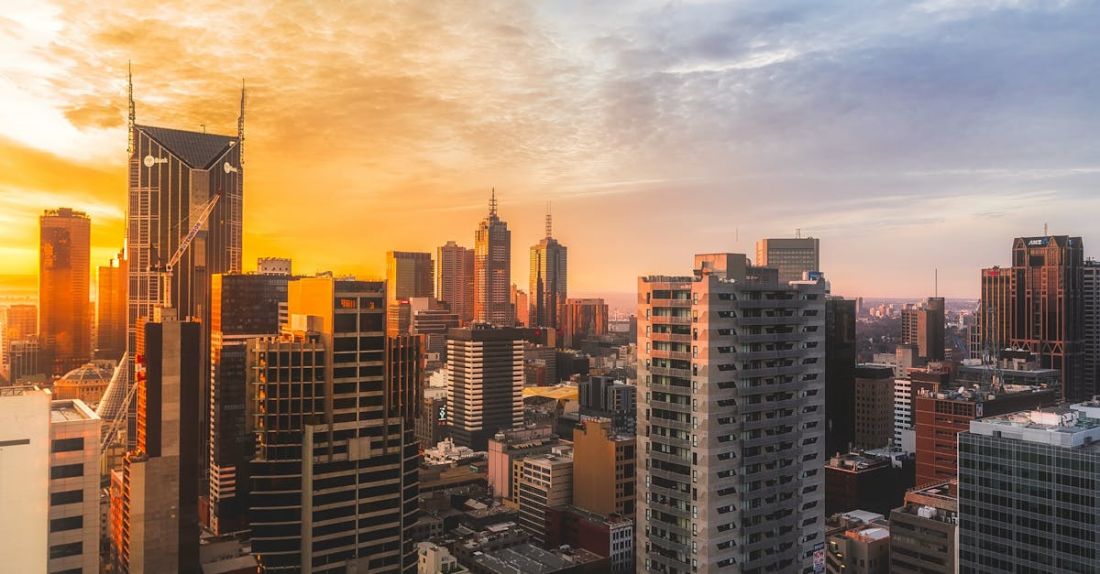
907	136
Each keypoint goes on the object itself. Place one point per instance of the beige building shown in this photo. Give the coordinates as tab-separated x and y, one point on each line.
74	488
545	481
791	256
24	455
87	383
925	531
605	484
857	542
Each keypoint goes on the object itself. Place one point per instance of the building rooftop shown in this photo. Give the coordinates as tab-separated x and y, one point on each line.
196	149
530	559
87	374
70	410
857	462
1068	426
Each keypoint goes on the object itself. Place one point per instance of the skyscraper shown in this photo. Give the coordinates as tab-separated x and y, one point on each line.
111	310
1027	492
65	329
454	279
549	277
493	270
521	303
1039	303
874	406
1090	294
791	256
923	325
20	322
243	307
731	367
25	453
160	477
173	175
582	319
74	487
334	480
840	374
409	274
484	383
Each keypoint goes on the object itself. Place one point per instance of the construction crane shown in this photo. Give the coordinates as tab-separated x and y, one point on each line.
185	242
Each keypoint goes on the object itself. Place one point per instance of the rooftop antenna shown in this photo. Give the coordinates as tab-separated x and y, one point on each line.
548	221
203	128
240	128
798	233
1045	234
936	284
132	116
493	203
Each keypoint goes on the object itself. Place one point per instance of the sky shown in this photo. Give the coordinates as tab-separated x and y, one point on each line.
907	136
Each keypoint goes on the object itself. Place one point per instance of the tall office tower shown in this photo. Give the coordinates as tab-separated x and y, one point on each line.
582	319
731	400
939	415
791	257
63	295
25	359
840	374
493	270
1027	492
1039	304
173	174
549	278
924	325
20	322
606	458
24	453
545	482
243	307
74	487
334	478
409	274
484	383
454	279
925	530
274	266
160	477
522	304
111	310
1090	294
874	406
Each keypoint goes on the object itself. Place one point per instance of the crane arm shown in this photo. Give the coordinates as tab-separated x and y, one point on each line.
187	239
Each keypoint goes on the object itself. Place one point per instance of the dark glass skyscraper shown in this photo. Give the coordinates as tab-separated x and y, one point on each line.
243	307
334	480
840	374
549	276
493	270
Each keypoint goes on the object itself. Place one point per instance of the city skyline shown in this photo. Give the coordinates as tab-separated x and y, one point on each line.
600	110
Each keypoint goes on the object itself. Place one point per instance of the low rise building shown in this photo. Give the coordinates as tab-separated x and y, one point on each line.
857	542
924	531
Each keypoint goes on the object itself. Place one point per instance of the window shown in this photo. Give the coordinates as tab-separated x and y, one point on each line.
69	523
67	471
64	550
67	444
67	497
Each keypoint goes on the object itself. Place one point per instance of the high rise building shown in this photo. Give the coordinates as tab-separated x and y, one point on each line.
24	454
172	175
1090	294
63	292
924	531
840	374
409	274
924	325
791	257
334	479
25	359
731	366
874	406
1038	304
20	322
111	310
493	270
521	303
243	307
549	278
940	415
582	319
160	477
1027	494
606	458
74	488
484	383
454	279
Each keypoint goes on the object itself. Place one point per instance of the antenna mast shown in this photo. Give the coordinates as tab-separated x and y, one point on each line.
493	203
132	115
548	221
240	127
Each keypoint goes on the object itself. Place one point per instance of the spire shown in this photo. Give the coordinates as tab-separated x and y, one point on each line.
493	203
548	221
240	126
132	116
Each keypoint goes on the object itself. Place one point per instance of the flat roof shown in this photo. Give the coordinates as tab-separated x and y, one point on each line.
70	410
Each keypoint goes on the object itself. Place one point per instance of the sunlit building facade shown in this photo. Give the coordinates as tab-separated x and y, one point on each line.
65	310
493	270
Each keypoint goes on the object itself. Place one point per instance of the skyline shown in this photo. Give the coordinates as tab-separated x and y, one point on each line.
890	133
